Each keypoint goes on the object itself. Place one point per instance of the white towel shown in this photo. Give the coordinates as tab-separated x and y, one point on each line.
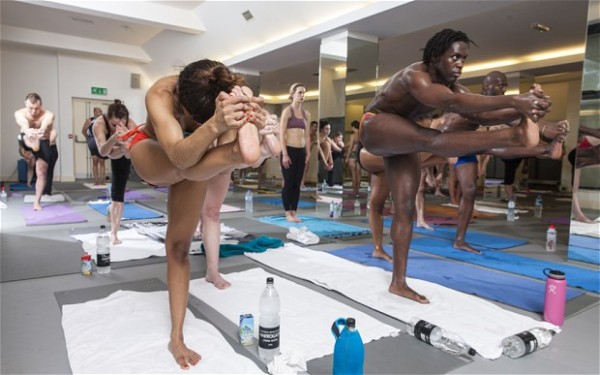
128	333
95	187
54	198
481	324
227	208
492	210
306	315
133	246
585	229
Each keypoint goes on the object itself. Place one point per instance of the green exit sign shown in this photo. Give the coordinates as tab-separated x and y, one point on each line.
99	90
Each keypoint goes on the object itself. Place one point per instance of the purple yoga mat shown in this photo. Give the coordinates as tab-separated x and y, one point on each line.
558	220
132	195
55	213
164	189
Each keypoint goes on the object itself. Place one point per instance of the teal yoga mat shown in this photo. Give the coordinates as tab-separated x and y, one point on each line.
276	201
473	237
576	276
510	289
328	228
131	211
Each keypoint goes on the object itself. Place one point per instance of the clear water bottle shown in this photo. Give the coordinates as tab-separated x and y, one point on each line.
526	342
338	210
368	200
268	323
439	338
331	209
349	350
3	195
249	202
324	186
510	214
103	251
551	238
357	207
537	210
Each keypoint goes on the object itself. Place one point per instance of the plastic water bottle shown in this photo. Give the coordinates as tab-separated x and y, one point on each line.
510	213
3	195
324	186
249	202
268	323
439	338
555	297
526	342
338	210
349	350
551	238
103	251
331	209
537	210
357	207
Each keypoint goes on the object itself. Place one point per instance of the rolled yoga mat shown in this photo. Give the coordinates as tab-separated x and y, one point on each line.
497	286
51	214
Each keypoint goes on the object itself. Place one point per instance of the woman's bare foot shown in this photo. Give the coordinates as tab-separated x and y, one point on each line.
423	224
289	217
37	206
466	247
115	240
381	254
552	130
583	219
406	292
248	143
296	218
183	356
528	132
217	280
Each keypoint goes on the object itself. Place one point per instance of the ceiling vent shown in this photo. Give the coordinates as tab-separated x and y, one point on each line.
247	15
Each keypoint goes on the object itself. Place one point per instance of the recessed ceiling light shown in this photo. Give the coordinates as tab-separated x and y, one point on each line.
247	15
539	27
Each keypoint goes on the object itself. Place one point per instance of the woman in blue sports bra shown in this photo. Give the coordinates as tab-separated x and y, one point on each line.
295	150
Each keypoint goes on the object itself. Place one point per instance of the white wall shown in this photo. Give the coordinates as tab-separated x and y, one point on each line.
59	78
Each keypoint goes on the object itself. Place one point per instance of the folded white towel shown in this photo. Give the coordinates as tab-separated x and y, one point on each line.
285	363
302	235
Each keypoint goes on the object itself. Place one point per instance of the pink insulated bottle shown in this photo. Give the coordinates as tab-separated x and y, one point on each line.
555	297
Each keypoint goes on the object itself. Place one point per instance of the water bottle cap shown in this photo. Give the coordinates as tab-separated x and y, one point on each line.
554	274
269	280
86	256
102	226
551	226
351	323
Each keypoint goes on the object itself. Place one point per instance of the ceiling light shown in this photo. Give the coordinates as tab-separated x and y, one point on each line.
82	20
247	15
125	28
539	27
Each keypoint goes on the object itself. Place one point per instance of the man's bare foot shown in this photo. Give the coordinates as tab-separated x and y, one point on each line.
183	356
37	206
217	280
549	131
423	224
249	147
406	292
466	247
527	132
381	254
553	150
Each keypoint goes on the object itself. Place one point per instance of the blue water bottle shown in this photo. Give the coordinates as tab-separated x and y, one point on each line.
349	351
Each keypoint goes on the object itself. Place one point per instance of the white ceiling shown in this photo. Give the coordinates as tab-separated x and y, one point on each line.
282	40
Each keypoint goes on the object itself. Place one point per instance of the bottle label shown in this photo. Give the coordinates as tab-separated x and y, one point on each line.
268	338
103	260
423	331
531	343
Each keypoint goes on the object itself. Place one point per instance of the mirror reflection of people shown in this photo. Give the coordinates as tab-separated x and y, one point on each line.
325	156
314	129
388	129
585	155
98	163
39	135
336	175
186	115
107	130
352	157
295	150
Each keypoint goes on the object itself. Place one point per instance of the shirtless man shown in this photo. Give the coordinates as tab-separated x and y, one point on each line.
38	134
388	129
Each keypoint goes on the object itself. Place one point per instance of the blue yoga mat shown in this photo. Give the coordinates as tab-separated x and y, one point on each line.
473	237
584	241
21	186
276	201
131	211
509	289
328	228
583	254
576	276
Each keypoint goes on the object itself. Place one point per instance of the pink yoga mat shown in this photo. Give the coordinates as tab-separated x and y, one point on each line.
55	213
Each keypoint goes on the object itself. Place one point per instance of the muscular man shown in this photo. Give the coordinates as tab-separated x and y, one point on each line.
388	129
465	167
39	135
